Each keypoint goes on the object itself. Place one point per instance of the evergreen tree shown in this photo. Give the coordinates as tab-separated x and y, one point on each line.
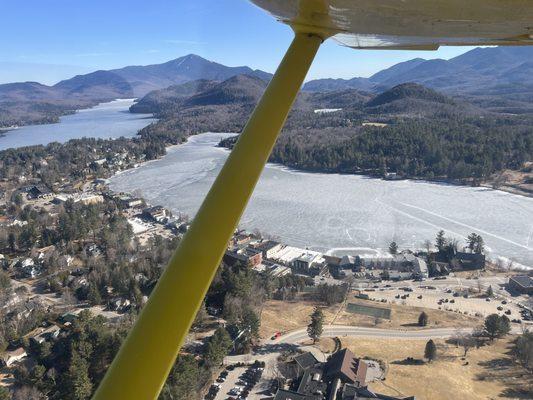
78	384
497	326
472	240
93	295
250	322
217	348
524	349
480	245
440	241
490	292
393	248
184	380
422	319
430	352
315	328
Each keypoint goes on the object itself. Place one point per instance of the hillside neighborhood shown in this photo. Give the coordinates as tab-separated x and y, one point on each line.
45	289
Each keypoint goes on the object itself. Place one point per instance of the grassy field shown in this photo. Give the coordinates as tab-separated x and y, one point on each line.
290	315
489	374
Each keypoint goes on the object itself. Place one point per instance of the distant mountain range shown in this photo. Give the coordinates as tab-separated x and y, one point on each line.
132	81
475	70
499	78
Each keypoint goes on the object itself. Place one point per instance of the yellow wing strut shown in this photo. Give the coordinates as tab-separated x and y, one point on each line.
146	357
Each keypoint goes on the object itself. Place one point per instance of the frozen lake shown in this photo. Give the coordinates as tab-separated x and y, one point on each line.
106	120
330	211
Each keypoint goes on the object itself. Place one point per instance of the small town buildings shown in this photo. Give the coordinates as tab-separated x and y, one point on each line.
126	201
342	377
344	366
522	284
156	213
11	357
44	252
470	261
84	198
279	270
92	249
38	192
46	334
27	268
100	162
68	318
303	362
248	256
241	239
420	268
308	263
90	198
269	248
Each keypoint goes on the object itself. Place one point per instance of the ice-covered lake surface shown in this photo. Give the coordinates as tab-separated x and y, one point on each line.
106	120
342	213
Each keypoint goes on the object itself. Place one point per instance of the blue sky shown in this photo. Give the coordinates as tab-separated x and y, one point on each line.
51	40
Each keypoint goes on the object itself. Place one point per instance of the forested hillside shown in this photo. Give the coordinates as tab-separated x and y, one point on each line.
409	130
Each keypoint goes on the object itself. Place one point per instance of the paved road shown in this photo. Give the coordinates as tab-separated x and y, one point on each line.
355	331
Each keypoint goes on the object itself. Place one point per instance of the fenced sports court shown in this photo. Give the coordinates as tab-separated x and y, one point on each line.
377	312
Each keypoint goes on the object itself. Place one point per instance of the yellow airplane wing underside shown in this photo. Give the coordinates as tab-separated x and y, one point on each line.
409	24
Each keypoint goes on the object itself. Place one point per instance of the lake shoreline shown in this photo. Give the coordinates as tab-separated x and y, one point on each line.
443	181
160	172
108	120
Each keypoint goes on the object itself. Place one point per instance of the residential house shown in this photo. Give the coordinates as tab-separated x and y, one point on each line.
46	334
38	192
44	252
27	268
470	261
11	357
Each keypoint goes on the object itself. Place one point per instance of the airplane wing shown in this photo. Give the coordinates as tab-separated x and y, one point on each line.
409	24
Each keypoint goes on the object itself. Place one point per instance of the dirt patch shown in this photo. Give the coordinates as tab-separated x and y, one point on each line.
486	373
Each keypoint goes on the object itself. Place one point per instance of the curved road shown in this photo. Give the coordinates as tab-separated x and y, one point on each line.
355	331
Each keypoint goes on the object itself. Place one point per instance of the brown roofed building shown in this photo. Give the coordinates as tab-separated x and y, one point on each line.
346	367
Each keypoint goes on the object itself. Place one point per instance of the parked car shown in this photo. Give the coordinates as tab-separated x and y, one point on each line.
235	391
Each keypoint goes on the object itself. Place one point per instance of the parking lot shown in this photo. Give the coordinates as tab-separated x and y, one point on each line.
238	383
451	298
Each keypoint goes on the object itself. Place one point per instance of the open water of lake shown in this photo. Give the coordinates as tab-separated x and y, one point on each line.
348	213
